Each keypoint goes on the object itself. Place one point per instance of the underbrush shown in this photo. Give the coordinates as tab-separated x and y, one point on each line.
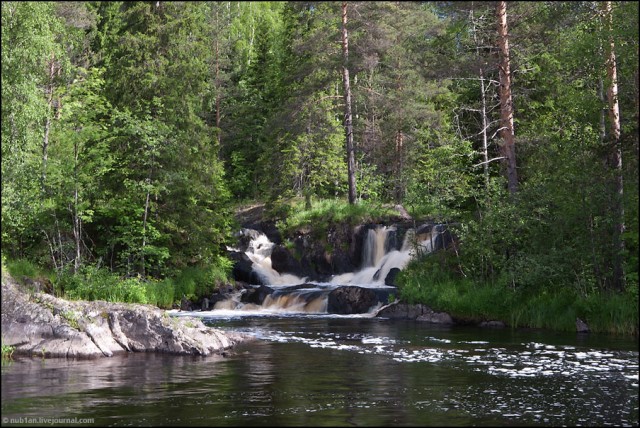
543	307
23	268
92	283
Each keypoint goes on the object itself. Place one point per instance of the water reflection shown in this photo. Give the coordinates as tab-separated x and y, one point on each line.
345	371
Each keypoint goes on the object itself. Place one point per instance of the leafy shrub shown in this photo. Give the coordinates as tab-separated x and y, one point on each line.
160	293
92	283
22	267
195	282
7	351
131	290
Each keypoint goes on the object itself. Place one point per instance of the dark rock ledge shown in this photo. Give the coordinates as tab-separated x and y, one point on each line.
420	312
38	324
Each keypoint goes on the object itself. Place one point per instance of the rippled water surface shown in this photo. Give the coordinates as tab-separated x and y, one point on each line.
344	371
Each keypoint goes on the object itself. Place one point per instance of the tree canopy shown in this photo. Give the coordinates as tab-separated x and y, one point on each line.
130	129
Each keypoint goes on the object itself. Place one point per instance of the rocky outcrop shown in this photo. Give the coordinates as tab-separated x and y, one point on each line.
243	268
351	300
39	324
256	295
418	312
581	326
284	262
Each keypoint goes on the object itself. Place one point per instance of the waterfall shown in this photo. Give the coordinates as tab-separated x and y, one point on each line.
292	294
374	247
305	300
259	252
379	257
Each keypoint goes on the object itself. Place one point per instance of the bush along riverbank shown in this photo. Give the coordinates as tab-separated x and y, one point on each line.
562	309
92	283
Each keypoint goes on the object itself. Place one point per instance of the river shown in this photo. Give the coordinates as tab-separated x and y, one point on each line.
307	367
332	370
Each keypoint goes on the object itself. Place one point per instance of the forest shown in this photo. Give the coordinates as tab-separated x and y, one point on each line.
131	131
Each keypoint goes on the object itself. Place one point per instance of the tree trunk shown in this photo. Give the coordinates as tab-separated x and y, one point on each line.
347	107
485	126
47	121
483	95
144	230
77	224
603	111
217	78
616	151
506	101
399	165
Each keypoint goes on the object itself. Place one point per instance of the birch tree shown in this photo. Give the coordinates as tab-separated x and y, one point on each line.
348	124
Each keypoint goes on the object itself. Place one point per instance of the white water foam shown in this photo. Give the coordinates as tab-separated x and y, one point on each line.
379	258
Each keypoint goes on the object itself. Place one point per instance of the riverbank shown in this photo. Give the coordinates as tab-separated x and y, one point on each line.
559	309
41	325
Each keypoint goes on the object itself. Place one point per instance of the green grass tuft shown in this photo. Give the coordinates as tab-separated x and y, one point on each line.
324	213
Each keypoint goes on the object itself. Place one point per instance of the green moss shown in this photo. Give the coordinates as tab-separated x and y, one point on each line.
72	318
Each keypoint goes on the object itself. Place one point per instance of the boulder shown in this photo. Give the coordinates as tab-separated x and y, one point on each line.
436	318
351	300
391	276
492	324
401	310
282	261
404	215
581	326
244	237
38	324
256	295
418	312
243	269
186	304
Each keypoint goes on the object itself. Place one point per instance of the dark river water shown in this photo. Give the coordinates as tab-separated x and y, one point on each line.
322	370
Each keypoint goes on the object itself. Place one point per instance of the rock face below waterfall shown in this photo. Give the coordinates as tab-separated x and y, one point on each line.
351	300
43	325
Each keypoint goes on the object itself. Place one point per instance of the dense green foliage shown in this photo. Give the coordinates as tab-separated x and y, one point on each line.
130	130
93	283
540	307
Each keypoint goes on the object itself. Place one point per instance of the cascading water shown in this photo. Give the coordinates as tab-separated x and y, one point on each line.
259	252
292	294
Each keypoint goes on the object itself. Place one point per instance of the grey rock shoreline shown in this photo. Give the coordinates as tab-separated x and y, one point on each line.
41	325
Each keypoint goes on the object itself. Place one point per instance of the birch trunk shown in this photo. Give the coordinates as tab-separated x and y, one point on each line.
347	107
47	122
